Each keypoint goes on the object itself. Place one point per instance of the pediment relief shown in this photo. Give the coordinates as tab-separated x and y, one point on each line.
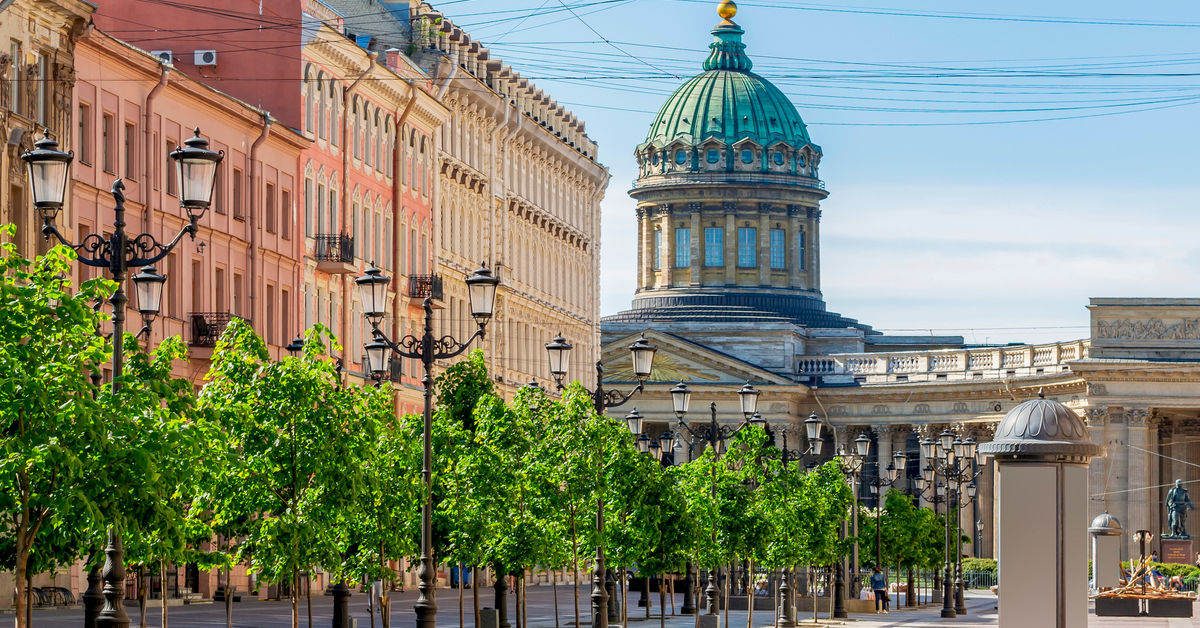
678	359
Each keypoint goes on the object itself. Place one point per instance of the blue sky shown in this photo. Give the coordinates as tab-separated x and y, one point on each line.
940	217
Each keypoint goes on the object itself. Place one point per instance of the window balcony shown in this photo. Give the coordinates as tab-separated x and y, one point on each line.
334	253
207	327
423	286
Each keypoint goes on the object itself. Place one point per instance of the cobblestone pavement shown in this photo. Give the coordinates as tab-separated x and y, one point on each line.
272	614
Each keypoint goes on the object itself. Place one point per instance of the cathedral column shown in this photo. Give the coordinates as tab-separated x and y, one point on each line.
1099	468
731	244
883	455
814	250
793	247
645	247
668	235
1138	471
697	246
764	245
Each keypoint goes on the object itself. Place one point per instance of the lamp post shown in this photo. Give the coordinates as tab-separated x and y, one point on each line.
894	470
954	459
715	435
48	169
851	466
481	290
642	354
812	429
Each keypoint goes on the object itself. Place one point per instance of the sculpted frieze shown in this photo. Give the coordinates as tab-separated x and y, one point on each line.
1149	329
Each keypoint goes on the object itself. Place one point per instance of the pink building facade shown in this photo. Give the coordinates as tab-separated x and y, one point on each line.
130	112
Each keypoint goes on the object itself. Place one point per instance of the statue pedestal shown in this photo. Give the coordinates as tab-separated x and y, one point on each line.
1176	550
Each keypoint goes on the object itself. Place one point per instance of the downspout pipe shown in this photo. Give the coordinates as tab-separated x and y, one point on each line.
346	147
497	213
252	217
401	118
446	84
147	168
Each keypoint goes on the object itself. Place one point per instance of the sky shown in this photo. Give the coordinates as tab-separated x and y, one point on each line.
989	170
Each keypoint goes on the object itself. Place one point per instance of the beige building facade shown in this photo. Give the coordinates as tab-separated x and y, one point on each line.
518	187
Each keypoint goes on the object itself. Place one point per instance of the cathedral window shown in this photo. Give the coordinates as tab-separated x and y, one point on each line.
713	156
777	158
778	256
747	246
683	247
681	157
657	263
714	246
747	156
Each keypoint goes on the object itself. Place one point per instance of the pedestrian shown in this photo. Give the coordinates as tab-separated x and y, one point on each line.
879	586
1198	559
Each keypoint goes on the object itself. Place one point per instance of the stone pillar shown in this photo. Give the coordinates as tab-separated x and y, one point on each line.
764	244
645	248
795	226
697	247
1099	468
923	431
731	243
814	250
1041	450
1138	474
883	454
1106	552
668	262
985	498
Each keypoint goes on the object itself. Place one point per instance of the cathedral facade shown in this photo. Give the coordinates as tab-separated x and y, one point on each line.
729	290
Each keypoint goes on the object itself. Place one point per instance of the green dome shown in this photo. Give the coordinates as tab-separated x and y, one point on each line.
728	102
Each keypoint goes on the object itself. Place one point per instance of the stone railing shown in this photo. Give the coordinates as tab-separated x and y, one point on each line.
990	363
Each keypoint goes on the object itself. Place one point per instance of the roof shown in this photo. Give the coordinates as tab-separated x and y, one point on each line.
1040	428
728	102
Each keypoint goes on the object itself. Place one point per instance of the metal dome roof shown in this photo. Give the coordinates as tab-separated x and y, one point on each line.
1106	525
1042	427
728	102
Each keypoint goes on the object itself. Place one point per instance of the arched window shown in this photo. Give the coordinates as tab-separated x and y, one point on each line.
357	103
335	101
378	144
323	108
308	201
379	252
424	169
368	138
334	218
368	237
356	222
320	222
387	242
411	163
309	99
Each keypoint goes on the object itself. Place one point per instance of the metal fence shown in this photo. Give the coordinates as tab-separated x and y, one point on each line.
334	248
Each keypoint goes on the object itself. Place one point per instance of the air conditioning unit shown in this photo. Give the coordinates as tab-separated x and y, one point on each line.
166	56
206	57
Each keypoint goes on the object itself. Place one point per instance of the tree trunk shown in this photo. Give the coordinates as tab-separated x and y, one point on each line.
751	591
728	584
308	597
295	599
517	592
575	562
20	602
143	589
646	581
662	605
475	571
461	583
162	586
228	601
554	588
624	587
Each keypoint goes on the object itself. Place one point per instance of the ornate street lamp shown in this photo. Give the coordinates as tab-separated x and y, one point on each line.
481	292
48	168
642	357
716	436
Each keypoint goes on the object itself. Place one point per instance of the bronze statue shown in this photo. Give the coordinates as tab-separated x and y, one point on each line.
1178	503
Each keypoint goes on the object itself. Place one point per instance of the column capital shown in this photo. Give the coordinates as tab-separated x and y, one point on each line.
1139	416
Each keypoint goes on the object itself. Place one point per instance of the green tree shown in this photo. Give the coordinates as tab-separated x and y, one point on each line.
54	432
294	452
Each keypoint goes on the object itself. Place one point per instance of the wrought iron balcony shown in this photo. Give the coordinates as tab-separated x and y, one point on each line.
422	286
334	253
207	327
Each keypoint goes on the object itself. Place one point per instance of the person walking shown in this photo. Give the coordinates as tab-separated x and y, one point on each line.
879	586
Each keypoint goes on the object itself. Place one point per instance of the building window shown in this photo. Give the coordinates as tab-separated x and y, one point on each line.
777	157
130	151
237	195
14	87
683	247
172	171
714	246
320	226
747	156
174	288
285	214
681	157
713	155
219	190
747	246
269	208
85	133
237	295
800	256
778	256
657	249
109	157
308	207
43	90
269	328
285	304
219	290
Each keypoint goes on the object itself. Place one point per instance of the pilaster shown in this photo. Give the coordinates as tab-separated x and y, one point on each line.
730	243
697	246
